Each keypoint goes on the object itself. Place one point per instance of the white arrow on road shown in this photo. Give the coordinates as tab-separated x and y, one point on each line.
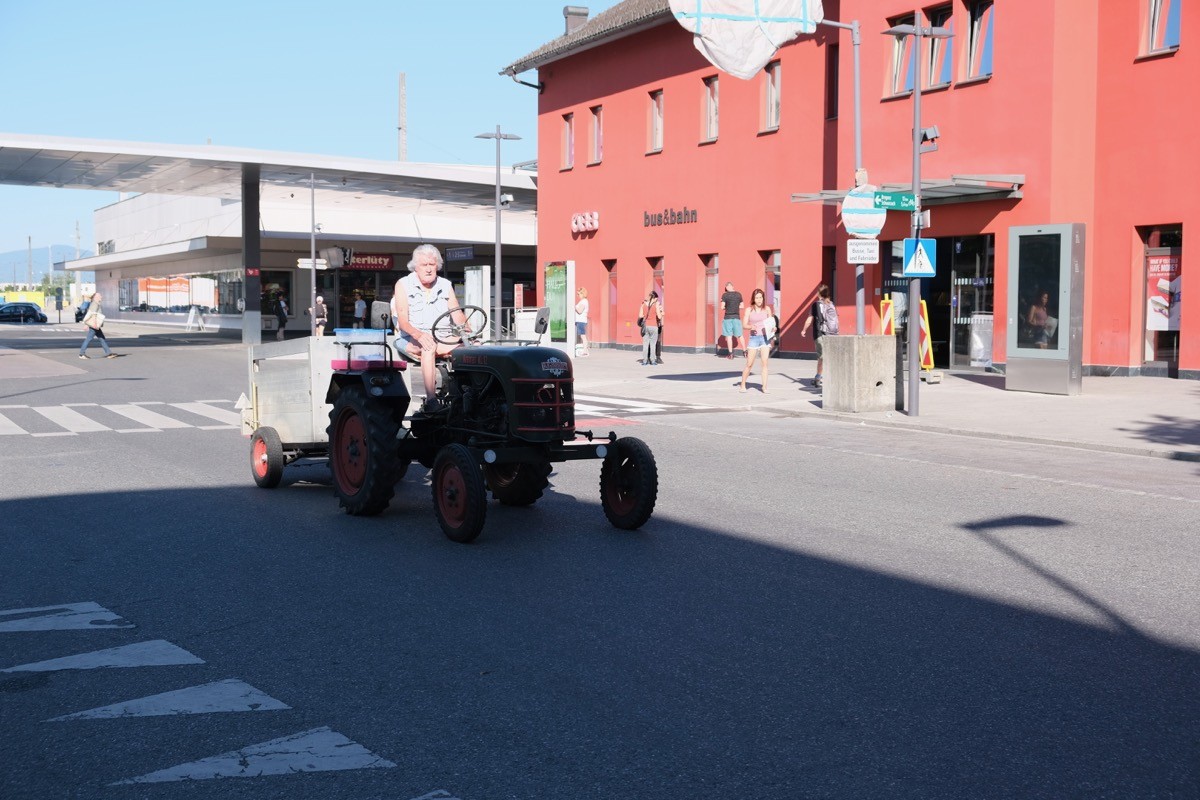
317	750
225	696
157	653
67	617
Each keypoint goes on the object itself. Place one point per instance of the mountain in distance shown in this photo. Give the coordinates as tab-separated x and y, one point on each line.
14	265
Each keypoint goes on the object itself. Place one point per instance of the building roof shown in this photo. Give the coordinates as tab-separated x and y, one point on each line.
619	21
209	171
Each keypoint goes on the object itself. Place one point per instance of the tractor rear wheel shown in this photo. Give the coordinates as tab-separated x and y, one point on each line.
362	452
628	483
459	494
518	484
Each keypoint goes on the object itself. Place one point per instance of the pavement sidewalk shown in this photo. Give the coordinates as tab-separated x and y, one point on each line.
1140	416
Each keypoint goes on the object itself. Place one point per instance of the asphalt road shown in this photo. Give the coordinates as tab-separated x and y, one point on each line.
816	610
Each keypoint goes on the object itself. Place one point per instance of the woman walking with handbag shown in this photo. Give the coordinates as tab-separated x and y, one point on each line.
759	322
93	323
648	318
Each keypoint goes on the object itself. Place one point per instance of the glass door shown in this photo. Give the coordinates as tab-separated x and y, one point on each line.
972	301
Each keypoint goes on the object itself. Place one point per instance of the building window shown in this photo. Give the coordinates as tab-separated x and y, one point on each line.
904	64
711	115
597	154
568	141
979	45
772	74
654	138
1164	25
772	278
832	81
940	49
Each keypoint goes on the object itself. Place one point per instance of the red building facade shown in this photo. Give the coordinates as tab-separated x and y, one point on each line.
656	170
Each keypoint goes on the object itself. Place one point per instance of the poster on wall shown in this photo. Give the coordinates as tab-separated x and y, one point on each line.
1162	291
556	299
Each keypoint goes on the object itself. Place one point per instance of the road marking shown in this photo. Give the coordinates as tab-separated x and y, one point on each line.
219	414
67	617
316	750
632	405
8	427
156	653
72	420
147	417
227	696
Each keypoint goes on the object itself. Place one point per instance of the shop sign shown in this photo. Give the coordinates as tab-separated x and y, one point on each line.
668	216
1162	291
372	261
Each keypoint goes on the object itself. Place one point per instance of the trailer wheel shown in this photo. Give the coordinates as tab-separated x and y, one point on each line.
266	458
628	483
518	484
459	494
362	452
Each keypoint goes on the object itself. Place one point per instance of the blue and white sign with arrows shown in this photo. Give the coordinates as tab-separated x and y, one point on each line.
920	258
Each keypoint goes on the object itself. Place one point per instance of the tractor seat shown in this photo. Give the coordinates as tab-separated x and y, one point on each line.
401	348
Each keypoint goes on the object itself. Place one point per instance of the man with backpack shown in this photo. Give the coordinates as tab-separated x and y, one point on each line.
824	322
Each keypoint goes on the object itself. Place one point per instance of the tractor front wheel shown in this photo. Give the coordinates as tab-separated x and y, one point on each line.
628	483
459	494
518	484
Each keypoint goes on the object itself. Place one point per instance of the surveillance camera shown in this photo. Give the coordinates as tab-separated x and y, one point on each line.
505	199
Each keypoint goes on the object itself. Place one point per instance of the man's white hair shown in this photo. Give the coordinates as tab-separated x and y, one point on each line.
425	249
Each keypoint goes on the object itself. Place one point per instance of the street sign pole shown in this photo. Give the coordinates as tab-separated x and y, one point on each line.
914	284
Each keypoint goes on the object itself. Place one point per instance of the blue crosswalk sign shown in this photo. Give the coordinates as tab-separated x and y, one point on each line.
920	258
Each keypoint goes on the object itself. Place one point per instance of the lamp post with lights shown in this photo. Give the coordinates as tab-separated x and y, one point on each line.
498	136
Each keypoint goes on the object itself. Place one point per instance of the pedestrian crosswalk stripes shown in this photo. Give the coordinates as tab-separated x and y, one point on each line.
155	416
71	419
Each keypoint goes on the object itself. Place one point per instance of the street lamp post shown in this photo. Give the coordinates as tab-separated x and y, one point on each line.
919	137
498	136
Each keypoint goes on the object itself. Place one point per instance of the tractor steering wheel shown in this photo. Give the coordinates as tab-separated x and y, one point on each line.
446	331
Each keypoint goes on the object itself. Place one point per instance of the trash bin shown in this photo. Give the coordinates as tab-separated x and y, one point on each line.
981	340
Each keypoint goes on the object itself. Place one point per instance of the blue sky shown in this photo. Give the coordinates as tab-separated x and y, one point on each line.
297	76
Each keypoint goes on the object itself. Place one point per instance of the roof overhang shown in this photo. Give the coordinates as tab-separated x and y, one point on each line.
208	171
938	191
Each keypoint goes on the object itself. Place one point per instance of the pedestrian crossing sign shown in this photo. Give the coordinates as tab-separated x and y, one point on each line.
920	258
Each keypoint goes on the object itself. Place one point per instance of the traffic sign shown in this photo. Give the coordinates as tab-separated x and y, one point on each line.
862	251
308	263
860	217
920	258
898	201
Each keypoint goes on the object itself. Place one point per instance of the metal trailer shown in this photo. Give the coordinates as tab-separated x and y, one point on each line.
286	414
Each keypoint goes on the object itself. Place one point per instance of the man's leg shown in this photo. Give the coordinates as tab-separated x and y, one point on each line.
87	340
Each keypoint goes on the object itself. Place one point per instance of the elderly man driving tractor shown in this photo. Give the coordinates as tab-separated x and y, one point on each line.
420	298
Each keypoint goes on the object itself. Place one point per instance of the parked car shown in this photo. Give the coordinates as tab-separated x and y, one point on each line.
21	312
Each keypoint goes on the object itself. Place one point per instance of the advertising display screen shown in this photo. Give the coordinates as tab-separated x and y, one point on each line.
556	299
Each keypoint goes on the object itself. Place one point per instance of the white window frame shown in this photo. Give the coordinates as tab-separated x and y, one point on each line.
903	60
568	141
712	108
1157	25
654	143
941	52
981	38
597	144
772	96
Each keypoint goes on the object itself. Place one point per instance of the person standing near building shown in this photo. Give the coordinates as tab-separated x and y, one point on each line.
756	322
320	314
93	323
731	319
360	310
581	319
658	343
281	315
649	315
824	322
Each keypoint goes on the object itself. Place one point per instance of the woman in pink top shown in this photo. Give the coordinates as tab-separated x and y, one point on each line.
755	322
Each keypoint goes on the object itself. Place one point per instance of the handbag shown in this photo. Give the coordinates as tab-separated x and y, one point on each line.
642	323
97	321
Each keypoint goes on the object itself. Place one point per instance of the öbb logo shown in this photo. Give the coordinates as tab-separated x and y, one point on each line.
585	222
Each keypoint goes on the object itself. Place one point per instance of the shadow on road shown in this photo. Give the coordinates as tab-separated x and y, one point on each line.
560	657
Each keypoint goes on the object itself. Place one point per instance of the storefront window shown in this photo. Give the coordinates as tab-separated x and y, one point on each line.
209	293
275	282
